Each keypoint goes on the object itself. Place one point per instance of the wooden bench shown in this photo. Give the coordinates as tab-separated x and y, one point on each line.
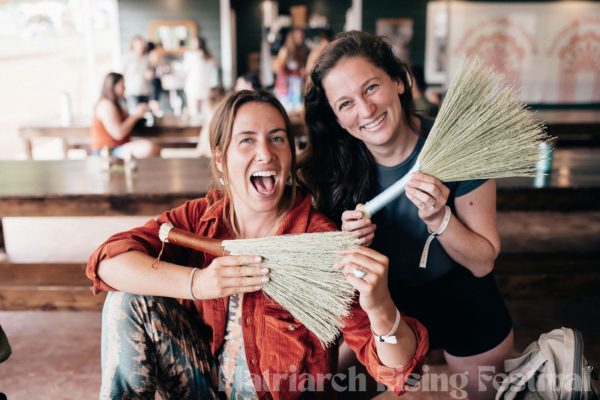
519	276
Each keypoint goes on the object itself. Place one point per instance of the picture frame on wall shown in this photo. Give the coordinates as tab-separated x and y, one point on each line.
399	32
173	35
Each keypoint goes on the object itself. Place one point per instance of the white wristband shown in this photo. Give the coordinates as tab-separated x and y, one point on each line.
433	235
390	337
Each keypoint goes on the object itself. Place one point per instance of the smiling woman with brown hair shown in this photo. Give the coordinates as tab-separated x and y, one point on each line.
151	340
365	136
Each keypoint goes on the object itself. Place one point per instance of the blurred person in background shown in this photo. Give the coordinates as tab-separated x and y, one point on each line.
215	96
156	56
246	82
201	74
422	103
112	125
289	68
250	80
324	39
137	72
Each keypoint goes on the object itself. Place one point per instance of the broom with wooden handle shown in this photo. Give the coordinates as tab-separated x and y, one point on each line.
481	132
302	278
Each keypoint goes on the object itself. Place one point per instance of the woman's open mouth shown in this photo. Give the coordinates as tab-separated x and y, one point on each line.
264	182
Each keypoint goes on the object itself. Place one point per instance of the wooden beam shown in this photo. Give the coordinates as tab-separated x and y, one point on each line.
38	275
64	286
91	205
46	287
50	298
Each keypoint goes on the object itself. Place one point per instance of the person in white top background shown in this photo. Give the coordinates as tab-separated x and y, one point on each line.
137	72
201	74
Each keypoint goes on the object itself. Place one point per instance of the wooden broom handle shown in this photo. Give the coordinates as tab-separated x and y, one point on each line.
190	240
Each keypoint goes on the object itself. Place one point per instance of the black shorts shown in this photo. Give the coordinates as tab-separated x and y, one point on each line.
464	315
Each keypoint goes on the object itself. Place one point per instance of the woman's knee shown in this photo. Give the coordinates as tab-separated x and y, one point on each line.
124	304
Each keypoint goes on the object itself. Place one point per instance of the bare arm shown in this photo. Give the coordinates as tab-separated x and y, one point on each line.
279	62
110	117
376	301
471	238
132	272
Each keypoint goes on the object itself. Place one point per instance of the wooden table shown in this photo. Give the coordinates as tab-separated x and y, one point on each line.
82	188
168	131
573	185
569	125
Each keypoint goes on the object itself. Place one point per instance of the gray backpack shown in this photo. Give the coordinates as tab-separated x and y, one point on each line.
551	368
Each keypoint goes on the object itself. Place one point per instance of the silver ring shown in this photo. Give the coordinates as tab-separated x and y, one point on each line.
359	273
431	205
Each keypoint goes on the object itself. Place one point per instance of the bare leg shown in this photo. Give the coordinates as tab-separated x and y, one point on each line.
479	382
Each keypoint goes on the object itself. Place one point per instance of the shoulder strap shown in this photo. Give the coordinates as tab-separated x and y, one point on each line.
520	371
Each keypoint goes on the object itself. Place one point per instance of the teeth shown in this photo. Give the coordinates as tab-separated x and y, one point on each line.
264	173
374	123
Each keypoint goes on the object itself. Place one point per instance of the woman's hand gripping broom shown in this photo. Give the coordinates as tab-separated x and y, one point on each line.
302	277
481	132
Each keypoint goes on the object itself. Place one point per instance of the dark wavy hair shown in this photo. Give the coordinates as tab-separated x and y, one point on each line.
340	171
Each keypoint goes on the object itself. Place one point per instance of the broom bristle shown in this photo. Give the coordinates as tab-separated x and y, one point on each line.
302	278
482	131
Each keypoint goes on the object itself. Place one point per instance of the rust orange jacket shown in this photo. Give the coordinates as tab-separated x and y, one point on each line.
282	354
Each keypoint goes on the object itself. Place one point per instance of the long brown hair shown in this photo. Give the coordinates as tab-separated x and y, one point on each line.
340	171
296	51
108	89
221	127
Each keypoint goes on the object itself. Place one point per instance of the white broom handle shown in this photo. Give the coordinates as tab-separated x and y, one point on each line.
389	194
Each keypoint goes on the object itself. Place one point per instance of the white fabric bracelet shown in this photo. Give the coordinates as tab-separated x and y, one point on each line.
390	337
191	283
433	235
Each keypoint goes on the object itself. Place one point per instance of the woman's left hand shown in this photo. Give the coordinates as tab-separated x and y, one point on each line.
430	195
373	267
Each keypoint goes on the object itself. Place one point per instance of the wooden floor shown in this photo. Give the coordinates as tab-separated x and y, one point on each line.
56	353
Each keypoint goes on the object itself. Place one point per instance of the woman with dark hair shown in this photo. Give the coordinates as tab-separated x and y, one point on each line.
152	339
112	125
365	135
